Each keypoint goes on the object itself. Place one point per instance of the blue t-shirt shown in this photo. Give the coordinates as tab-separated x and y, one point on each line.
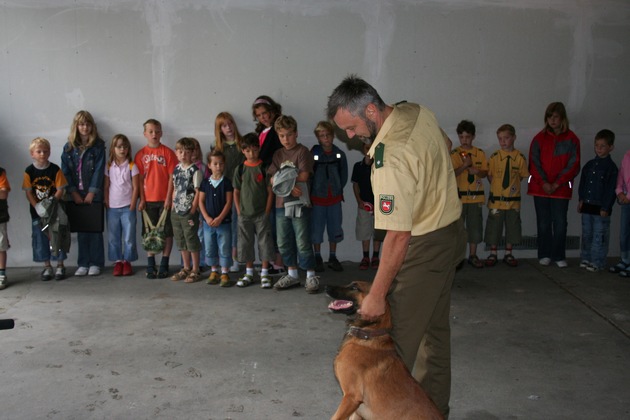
216	197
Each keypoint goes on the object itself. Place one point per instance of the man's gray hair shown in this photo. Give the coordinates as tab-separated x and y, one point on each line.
353	94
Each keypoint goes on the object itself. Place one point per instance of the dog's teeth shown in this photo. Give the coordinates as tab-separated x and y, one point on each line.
340	304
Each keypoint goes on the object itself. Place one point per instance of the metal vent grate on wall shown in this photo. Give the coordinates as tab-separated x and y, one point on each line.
531	242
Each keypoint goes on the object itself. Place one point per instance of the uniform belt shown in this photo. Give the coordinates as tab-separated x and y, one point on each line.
493	198
463	193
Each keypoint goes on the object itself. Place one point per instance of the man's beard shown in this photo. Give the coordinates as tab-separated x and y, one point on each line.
371	126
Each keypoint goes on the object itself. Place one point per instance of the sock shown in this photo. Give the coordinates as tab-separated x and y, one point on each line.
2	272
151	261
250	271
225	270
293	272
263	272
215	269
332	256
366	254
164	261
375	254
310	273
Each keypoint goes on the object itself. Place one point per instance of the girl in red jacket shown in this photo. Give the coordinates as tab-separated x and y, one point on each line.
554	161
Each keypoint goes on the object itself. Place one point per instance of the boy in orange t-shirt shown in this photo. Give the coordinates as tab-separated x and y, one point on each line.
156	163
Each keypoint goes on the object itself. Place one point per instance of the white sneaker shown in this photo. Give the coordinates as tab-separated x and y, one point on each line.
312	284
81	271
544	261
3	282
236	267
585	264
562	264
286	282
94	270
593	269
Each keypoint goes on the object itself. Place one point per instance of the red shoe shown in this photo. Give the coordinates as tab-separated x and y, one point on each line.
374	263
118	268
365	264
126	269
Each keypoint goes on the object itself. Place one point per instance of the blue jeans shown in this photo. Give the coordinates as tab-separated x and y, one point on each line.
121	234
624	236
41	245
217	242
551	224
91	250
595	237
329	218
294	239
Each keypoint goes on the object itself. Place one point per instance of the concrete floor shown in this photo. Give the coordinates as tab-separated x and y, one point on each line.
528	343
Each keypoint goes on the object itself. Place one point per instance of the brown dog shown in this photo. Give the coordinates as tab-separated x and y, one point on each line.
375	382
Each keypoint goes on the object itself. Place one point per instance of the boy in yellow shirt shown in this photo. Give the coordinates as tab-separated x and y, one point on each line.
471	167
507	168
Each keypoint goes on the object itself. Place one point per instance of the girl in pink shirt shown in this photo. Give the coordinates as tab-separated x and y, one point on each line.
121	194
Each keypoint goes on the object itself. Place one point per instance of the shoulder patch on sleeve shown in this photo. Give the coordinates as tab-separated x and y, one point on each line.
379	150
386	203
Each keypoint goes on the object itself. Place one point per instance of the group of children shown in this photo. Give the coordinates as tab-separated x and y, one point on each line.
600	185
268	191
263	189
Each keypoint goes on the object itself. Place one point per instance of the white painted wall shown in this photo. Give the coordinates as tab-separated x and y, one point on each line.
182	62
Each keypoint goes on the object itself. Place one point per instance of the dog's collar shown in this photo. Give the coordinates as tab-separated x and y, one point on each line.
364	334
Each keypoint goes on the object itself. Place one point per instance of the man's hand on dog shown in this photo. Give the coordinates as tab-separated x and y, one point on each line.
372	307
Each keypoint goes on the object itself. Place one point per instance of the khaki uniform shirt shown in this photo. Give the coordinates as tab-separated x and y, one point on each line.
470	186
412	175
508	197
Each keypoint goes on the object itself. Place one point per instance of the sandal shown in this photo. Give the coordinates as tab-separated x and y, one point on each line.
182	275
510	260
265	282
162	271
245	281
225	280
491	261
475	261
192	277
621	266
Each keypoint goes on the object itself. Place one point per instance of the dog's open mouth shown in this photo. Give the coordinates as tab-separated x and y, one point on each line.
342	306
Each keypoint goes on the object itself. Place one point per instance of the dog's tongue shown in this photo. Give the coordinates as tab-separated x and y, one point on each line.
339	305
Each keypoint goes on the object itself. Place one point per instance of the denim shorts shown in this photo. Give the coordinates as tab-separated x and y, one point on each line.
329	218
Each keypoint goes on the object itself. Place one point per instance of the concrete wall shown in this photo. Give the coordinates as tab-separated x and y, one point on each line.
182	62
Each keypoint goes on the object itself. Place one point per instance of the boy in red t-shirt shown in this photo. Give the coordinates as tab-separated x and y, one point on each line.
156	163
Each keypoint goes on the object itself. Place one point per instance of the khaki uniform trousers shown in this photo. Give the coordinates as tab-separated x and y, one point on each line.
420	299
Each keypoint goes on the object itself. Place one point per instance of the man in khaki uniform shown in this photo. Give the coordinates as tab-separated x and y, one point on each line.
416	202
